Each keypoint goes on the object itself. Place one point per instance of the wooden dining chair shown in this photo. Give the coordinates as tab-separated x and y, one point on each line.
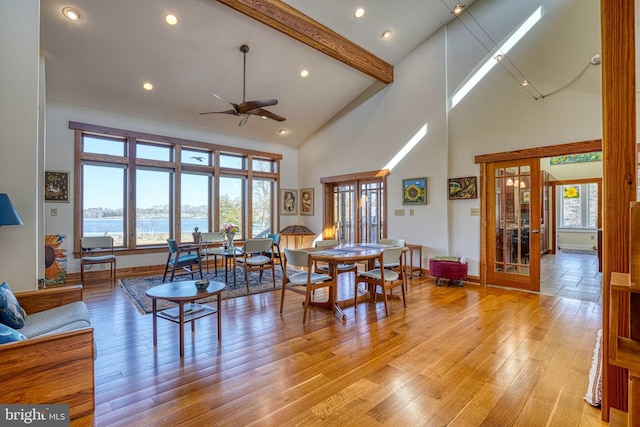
97	250
392	242
252	259
303	281
384	278
184	257
211	244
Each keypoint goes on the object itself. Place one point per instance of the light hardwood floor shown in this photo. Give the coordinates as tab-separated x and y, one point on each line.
466	356
572	275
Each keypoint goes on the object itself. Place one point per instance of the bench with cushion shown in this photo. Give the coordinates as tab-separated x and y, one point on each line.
50	358
452	268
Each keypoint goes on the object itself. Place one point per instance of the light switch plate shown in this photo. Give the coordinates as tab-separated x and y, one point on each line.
399	212
475	211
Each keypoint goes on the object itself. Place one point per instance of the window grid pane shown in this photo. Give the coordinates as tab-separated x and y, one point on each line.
261	207
194	205
153	207
103	211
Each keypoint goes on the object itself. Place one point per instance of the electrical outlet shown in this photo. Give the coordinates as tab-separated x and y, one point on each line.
54	211
410	212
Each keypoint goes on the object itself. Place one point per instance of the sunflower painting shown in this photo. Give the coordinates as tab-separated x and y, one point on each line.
55	259
414	191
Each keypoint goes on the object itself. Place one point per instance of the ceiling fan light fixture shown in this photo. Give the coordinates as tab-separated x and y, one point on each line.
359	13
171	19
283	132
72	14
386	34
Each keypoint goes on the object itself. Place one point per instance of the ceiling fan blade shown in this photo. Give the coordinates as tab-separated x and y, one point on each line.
235	106
268	114
220	112
252	105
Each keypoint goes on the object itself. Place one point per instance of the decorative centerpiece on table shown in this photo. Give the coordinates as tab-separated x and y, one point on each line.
229	231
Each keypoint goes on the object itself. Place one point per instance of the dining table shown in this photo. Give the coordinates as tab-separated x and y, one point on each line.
346	253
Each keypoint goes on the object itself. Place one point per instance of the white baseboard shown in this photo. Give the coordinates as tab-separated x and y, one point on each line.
579	247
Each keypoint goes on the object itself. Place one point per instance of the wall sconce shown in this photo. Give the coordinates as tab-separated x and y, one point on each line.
8	214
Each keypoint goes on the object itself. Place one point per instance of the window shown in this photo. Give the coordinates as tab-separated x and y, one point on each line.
165	187
103	211
153	207
194	209
578	206
262	207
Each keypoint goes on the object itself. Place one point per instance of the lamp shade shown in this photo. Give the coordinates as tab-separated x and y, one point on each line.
8	214
296	230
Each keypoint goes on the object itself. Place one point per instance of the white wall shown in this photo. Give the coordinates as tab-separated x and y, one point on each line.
19	52
496	116
60	158
368	137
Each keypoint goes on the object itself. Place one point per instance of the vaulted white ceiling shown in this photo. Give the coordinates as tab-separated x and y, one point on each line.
103	60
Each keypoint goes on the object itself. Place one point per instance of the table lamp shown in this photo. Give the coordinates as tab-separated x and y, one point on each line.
296	230
8	214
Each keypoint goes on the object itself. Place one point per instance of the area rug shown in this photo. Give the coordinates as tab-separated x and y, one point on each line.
135	287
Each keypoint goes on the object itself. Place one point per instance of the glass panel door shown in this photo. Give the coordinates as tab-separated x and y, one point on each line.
371	212
344	214
513	193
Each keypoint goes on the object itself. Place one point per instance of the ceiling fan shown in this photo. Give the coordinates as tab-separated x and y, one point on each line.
248	108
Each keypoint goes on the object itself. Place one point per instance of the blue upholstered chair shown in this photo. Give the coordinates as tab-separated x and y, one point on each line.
182	257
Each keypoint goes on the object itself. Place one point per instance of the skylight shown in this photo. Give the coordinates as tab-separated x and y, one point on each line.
496	56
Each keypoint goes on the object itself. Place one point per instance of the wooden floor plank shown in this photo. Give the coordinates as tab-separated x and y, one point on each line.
459	356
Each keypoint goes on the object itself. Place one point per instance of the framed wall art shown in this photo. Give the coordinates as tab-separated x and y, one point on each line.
463	188
288	201
56	186
414	191
306	201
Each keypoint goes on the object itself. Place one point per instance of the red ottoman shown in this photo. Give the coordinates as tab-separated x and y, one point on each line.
448	268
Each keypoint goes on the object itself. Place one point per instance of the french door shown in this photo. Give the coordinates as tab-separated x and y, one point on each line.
513	224
355	209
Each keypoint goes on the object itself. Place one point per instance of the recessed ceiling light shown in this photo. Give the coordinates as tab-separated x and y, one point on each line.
457	9
283	131
304	73
359	13
147	86
171	19
72	14
386	34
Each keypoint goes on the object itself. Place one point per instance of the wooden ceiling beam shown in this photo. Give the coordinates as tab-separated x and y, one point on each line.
293	23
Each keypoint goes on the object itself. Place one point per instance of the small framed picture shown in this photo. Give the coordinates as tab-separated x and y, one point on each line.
288	201
306	201
463	188
414	191
56	186
526	196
